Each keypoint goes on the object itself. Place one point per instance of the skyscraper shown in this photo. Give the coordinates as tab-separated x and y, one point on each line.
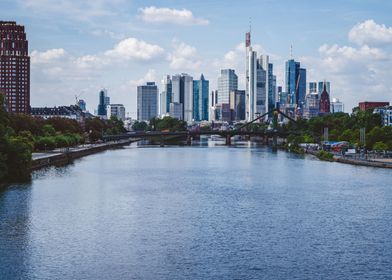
271	87
182	92
147	101
257	82
104	101
313	87
227	82
200	99
14	67
166	95
237	105
295	82
321	87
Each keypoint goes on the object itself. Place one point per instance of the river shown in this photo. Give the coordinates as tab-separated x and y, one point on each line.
201	212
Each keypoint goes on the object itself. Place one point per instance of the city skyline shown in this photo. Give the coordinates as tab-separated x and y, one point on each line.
80	47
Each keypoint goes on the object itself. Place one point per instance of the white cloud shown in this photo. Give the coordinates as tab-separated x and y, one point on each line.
369	32
183	57
132	48
75	9
46	56
167	15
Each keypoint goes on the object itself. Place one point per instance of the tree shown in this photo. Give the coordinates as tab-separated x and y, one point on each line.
18	157
140	126
380	146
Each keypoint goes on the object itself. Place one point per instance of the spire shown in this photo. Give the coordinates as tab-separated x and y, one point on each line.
202	77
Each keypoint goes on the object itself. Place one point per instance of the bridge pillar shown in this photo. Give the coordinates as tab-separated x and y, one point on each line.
188	140
162	142
228	139
275	142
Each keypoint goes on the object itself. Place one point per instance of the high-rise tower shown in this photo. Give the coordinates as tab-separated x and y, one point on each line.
14	67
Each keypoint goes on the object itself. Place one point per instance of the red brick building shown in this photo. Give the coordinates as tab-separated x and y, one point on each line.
363	106
14	67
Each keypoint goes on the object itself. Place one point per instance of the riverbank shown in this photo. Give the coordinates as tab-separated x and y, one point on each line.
64	156
380	163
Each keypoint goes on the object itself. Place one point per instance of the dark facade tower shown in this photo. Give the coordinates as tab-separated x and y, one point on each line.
14	67
325	105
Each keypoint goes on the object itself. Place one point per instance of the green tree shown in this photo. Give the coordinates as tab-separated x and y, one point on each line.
380	146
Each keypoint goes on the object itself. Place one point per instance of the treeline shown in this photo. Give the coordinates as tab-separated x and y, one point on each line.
22	134
343	127
161	124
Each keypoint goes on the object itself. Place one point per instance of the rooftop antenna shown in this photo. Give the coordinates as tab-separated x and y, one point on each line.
291	51
250	24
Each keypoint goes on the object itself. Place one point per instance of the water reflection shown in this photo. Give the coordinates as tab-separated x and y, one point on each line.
202	212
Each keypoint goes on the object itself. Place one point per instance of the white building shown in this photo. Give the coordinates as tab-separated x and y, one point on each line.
336	106
117	110
386	115
256	82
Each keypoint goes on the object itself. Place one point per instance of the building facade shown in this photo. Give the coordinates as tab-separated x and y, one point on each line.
257	82
104	101
116	110
182	92
147	101
386	115
227	82
166	95
200	99
336	106
14	67
295	82
325	105
363	106
237	105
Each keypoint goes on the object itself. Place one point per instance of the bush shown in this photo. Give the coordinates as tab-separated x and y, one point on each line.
44	143
323	155
380	146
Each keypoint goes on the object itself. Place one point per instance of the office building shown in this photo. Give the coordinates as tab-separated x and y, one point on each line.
321	87
386	115
104	101
116	110
237	105
182	92
166	95
295	83
200	99
175	110
227	82
336	106
14	67
257	82
147	101
313	87
312	105
271	87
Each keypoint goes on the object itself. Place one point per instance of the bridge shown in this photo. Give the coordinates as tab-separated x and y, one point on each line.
226	134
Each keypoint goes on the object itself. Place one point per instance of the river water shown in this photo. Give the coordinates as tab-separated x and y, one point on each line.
240	212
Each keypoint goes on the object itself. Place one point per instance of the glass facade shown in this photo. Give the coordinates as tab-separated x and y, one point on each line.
200	99
227	81
147	101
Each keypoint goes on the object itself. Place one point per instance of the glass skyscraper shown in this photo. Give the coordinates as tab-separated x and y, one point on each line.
147	101
104	101
200	99
227	82
166	95
295	82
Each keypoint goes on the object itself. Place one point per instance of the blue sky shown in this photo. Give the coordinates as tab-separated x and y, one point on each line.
77	47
